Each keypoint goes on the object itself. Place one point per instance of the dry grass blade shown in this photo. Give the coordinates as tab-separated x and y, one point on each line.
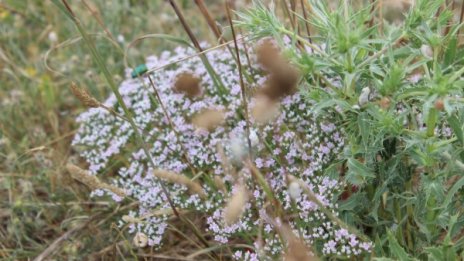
53	247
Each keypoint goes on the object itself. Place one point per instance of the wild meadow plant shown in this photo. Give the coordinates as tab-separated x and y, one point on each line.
396	93
343	144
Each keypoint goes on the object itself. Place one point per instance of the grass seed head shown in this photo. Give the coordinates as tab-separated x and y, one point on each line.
91	181
267	53
265	110
172	177
209	119
188	84
83	96
281	82
236	205
296	250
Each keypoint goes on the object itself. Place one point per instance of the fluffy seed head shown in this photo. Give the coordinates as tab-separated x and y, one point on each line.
267	53
281	82
187	84
264	109
294	190
297	250
208	119
220	184
235	206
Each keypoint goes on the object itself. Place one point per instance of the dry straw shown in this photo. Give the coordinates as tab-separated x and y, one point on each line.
91	181
172	177
236	205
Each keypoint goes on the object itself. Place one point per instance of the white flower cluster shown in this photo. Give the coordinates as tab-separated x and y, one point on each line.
293	143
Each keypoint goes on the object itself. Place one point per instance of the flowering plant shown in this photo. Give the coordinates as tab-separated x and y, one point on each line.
369	150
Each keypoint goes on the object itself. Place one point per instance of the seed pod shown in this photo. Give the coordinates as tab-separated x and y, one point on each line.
364	96
140	240
439	104
426	51
294	190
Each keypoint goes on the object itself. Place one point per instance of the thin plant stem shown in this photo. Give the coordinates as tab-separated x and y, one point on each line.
97	17
209	19
382	51
218	33
193	55
195	42
166	114
327	212
305	15
242	83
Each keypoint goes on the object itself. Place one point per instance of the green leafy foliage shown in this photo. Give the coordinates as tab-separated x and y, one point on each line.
405	138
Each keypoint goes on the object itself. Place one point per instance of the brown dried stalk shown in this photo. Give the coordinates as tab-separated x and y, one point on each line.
242	83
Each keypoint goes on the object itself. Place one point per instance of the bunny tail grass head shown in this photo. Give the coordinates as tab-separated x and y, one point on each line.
208	119
236	205
188	84
296	250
